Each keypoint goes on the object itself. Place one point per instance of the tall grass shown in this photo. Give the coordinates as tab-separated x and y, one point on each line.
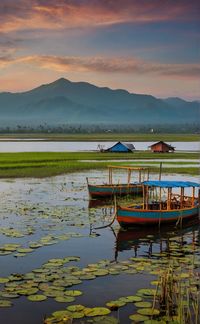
42	164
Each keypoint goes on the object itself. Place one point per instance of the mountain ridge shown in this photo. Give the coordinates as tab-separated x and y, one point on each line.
63	101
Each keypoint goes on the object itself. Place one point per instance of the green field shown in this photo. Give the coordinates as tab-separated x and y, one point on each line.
106	137
42	164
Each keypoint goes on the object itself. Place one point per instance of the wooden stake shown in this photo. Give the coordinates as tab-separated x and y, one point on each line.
160	171
147	198
139	176
193	196
169	192
182	198
160	198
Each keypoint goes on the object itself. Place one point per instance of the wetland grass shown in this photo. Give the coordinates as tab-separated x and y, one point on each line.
43	164
105	137
179	297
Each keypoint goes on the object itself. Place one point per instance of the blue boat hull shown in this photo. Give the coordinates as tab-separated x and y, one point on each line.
133	216
98	191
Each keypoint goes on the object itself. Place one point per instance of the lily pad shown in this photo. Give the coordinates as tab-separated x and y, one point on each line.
77	315
36	298
138	318
25	250
5	303
64	299
60	314
73	293
101	272
75	308
146	292
143	304
96	311
115	304
3	280
148	311
130	299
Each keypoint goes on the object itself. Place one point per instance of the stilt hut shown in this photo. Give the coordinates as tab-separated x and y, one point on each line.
162	147
120	147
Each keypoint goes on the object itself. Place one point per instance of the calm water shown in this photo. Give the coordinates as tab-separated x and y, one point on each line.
58	206
33	146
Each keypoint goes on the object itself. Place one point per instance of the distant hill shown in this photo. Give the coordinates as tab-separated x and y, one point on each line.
66	102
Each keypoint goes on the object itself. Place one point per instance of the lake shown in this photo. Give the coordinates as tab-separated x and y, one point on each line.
53	216
41	146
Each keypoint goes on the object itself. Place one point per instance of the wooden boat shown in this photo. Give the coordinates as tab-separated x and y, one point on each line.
157	208
110	189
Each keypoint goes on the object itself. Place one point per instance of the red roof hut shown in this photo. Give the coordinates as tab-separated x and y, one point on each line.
161	147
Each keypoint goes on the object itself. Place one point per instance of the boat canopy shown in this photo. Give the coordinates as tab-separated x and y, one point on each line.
171	184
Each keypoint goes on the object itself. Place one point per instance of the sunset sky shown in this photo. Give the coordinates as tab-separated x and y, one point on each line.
144	46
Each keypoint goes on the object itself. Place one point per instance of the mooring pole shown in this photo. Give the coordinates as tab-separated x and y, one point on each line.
160	171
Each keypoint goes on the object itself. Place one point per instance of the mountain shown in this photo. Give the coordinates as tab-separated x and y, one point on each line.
66	102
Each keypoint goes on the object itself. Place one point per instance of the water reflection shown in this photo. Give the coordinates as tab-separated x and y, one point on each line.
57	209
157	240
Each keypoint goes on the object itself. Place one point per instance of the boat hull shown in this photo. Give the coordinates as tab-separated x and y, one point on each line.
103	191
132	216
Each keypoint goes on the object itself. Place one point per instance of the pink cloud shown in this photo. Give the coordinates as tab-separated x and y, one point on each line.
107	65
59	14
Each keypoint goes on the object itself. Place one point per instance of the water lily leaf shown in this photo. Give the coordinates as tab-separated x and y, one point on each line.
155	282
115	304
73	293
148	311
36	298
77	315
96	311
9	295
146	292
184	275
87	277
143	304
60	314
34	245
5	253
138	318
3	280
5	303
151	321
131	271
113	271
25	250
130	299
104	320
101	272
17	255
28	291
64	299
75	308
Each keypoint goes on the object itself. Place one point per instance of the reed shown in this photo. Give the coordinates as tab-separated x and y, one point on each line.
177	298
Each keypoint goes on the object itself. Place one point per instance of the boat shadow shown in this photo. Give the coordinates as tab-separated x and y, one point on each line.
133	238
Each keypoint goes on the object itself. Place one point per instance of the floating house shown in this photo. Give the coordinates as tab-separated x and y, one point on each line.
162	147
120	147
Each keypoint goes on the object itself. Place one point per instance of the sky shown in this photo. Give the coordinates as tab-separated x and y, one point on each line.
143	46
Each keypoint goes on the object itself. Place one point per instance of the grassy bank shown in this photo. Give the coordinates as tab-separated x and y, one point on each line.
105	137
13	165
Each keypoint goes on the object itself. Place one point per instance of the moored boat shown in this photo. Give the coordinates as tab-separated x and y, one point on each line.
161	204
112	188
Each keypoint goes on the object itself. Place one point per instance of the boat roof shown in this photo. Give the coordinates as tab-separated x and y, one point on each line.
171	184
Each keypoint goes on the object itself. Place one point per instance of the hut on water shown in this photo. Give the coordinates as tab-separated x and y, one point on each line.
120	147
162	147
